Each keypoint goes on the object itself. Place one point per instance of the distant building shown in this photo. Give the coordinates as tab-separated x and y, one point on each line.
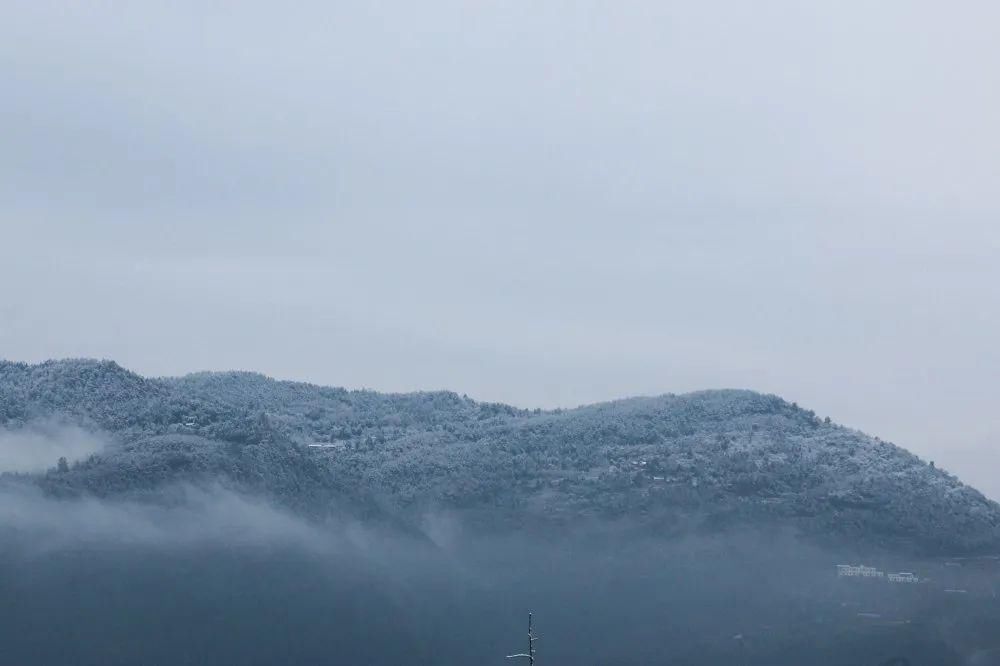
860	571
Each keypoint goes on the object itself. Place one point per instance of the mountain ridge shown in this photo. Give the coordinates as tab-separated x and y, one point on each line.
702	460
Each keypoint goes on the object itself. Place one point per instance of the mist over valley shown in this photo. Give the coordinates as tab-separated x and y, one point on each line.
232	518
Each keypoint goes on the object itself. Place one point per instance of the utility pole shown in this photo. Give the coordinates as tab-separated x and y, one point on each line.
530	654
743	647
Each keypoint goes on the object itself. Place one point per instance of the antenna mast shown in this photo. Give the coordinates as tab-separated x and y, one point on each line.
530	655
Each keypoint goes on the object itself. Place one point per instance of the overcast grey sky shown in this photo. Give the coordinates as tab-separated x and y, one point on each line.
544	203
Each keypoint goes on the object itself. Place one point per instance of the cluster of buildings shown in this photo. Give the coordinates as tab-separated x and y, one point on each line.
861	571
903	577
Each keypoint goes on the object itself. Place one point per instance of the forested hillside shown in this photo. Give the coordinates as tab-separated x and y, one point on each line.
676	463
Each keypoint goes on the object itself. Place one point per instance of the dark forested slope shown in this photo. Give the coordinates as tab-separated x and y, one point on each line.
699	461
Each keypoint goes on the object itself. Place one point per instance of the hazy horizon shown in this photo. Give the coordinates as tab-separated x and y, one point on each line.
540	204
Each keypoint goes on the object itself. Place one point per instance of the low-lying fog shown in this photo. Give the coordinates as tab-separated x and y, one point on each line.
40	445
209	576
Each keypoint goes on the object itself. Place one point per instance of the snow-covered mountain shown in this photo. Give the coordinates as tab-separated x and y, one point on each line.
699	461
